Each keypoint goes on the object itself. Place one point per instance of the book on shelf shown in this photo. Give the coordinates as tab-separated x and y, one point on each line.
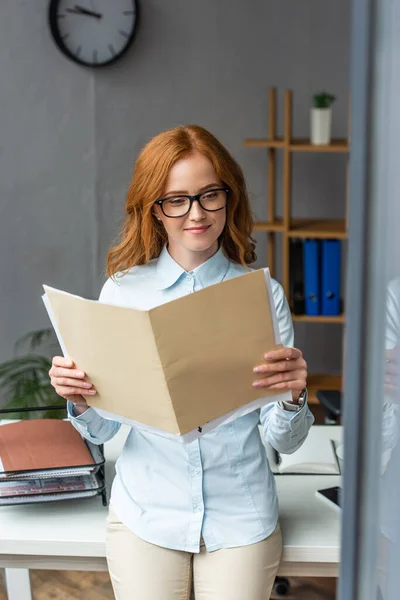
296	276
330	277
312	278
315	277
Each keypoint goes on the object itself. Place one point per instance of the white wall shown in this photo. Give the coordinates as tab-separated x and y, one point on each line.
69	136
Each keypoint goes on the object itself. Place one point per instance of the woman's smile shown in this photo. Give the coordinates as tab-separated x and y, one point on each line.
198	230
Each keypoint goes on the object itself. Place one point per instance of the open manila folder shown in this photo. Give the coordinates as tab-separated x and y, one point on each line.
177	370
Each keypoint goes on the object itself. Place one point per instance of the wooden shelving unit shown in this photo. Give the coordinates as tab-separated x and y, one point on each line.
298	145
288	226
322	382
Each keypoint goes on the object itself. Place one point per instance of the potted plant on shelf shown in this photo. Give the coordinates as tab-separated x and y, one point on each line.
24	379
321	118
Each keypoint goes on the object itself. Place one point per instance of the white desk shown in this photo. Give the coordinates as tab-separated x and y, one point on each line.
71	535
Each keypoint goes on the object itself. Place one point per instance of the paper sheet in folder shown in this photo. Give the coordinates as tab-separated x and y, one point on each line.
179	369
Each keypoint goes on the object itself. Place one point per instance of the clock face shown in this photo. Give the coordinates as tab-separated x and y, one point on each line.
93	32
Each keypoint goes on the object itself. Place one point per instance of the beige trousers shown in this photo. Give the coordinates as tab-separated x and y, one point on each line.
143	571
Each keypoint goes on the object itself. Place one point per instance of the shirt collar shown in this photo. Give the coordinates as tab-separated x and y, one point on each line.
210	272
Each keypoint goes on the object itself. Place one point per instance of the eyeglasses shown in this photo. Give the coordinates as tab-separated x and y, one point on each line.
179	206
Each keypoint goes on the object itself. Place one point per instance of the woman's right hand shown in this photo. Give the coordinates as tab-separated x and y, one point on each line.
70	383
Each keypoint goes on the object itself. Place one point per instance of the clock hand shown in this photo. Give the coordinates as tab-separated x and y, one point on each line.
80	10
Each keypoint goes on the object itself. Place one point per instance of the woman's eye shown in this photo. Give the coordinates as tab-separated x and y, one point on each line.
177	201
210	196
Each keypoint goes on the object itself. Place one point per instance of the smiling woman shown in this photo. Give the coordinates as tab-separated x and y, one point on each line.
195	223
208	509
181	162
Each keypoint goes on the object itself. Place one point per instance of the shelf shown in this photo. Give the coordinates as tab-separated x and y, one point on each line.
276	225
318	228
322	382
304	145
307	228
319	319
298	145
263	143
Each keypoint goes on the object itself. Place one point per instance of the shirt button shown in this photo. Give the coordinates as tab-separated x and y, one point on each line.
189	277
196	472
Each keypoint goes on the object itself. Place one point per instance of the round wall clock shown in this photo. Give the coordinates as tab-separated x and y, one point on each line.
93	32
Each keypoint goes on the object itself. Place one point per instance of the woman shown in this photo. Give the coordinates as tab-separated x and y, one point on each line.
207	509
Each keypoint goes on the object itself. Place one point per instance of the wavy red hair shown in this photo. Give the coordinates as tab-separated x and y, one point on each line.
142	236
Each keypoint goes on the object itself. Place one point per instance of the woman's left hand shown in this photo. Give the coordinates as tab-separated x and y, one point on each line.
284	369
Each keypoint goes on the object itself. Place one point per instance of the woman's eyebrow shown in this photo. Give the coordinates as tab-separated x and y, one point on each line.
185	192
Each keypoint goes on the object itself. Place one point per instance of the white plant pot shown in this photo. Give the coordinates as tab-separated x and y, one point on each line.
321	121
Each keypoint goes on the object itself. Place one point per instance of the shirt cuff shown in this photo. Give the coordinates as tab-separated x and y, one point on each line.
289	406
295	407
86	417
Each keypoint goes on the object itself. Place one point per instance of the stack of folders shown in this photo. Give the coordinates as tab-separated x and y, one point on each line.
44	460
315	275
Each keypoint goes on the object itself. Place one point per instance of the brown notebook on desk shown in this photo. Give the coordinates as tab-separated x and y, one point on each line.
41	444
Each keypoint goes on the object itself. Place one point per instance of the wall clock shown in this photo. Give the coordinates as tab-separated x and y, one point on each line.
93	33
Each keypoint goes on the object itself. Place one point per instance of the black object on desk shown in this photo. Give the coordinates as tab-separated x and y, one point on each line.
331	400
331	495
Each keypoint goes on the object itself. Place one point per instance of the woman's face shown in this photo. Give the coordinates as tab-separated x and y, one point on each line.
199	230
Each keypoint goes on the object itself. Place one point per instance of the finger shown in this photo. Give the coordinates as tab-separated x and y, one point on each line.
61	361
296	379
65	381
62	372
72	391
283	354
296	385
283	377
284	365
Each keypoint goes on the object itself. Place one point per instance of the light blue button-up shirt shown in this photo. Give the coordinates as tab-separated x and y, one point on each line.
220	485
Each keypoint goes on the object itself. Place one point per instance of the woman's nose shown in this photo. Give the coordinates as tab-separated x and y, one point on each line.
197	212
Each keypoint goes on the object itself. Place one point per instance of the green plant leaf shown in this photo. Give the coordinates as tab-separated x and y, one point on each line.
54	414
25	383
35	339
31	368
323	100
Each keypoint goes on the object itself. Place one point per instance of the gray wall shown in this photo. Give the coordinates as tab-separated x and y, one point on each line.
69	136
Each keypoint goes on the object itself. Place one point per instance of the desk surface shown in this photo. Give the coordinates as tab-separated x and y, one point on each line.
77	528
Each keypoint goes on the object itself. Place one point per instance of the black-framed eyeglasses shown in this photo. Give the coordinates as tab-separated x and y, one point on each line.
179	206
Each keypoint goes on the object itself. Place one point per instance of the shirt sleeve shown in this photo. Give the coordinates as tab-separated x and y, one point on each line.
391	411
392	333
285	430
90	424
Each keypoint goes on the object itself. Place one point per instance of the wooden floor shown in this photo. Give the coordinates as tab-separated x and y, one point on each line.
84	585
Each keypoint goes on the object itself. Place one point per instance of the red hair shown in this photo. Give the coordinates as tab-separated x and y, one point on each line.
142	236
